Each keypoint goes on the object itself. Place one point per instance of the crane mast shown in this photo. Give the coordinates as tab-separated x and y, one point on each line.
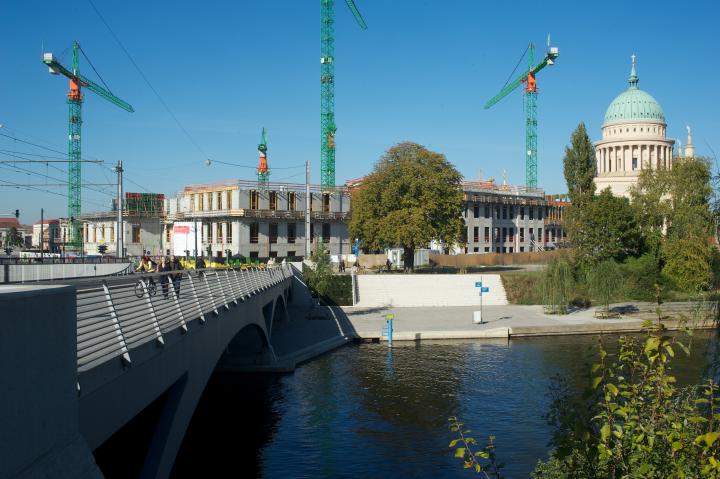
263	171
75	100
327	87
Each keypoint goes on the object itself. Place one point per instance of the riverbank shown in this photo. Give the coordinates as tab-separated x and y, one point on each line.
412	324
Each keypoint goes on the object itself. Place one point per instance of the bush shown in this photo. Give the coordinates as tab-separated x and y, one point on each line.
688	263
641	274
605	282
556	286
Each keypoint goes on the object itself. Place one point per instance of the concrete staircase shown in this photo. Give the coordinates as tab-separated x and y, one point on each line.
401	290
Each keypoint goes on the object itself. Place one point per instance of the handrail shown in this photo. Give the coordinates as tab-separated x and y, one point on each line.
117	314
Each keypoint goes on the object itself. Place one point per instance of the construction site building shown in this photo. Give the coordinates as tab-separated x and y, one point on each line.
509	219
239	218
143	220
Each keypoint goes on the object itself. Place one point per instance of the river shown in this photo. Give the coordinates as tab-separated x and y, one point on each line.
369	411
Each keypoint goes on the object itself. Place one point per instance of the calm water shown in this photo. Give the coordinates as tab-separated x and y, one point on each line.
365	411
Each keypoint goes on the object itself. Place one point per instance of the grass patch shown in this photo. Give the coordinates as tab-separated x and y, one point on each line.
523	287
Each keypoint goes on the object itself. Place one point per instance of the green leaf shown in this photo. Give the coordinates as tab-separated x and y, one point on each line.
651	345
596	381
483	454
670	351
478	468
453	443
710	438
605	432
595	367
613	389
460	452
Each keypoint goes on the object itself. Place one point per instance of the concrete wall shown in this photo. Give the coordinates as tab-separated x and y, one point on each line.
39	425
20	273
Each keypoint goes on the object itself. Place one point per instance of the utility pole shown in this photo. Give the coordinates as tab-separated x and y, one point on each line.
42	234
120	247
307	210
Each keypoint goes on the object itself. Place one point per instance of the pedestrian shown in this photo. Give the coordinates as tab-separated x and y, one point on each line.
387	264
199	262
342	265
164	280
177	266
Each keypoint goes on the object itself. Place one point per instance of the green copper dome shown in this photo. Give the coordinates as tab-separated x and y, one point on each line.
634	105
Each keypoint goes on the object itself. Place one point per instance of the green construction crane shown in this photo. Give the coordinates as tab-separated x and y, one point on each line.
75	99
530	103
327	87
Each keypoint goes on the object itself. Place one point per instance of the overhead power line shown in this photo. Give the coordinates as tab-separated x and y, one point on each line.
145	78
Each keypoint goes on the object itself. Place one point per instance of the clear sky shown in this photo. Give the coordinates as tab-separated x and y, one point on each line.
421	72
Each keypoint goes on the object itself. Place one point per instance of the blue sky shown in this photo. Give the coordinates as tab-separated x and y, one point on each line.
421	72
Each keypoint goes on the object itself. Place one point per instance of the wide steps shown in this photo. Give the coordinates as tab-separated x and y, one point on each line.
407	290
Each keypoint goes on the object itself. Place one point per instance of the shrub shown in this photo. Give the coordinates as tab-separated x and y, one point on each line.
641	274
604	281
556	286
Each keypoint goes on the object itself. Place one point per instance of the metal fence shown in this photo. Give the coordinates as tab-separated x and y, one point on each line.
117	315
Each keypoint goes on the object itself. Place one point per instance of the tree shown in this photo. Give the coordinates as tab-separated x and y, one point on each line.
579	166
604	281
556	286
688	263
604	228
13	238
319	276
412	197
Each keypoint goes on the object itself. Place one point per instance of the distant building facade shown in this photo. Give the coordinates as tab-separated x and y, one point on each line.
240	218
47	236
510	219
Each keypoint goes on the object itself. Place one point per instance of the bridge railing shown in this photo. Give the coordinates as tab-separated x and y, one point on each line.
116	315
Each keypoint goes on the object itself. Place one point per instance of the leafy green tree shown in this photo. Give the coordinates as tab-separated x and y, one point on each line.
412	197
319	276
605	281
13	237
579	166
688	263
604	228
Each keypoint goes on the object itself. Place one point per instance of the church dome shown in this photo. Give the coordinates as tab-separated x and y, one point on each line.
634	105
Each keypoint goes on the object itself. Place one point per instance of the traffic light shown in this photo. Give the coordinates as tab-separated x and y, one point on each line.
17	213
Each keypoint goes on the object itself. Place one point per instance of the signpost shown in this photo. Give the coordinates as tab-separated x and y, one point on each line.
389	321
477	315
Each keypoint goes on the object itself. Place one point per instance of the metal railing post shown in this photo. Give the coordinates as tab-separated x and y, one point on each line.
197	300
116	325
156	324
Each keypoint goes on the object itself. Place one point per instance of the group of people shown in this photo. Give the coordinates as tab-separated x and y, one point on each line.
147	265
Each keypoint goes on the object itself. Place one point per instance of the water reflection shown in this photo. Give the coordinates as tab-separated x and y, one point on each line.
371	411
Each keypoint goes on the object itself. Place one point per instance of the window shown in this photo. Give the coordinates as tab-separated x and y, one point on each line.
522	212
210	201
254	199
522	249
325	205
201	201
326	232
497	212
135	233
273	232
112	233
504	249
531	213
102	233
167	232
220	236
291	201
510	250
476	210
512	212
487	249
476	249
273	254
192	202
254	232
634	163
532	238
504	209
497	249
291	254
511	233
228	232
504	235
273	200
219	200
210	232
94	234
540	213
312	232
540	234
522	234
487	234
496	235
487	211
253	255
291	233
476	234
228	199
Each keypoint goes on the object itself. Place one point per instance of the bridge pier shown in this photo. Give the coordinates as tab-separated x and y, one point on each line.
39	427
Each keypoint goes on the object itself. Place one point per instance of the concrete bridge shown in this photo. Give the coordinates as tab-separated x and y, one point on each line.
80	361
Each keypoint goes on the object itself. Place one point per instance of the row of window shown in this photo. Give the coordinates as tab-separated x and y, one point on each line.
95	229
215	201
507	211
508	234
222	233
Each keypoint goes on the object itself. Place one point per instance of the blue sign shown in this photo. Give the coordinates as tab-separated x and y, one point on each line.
484	290
478	284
